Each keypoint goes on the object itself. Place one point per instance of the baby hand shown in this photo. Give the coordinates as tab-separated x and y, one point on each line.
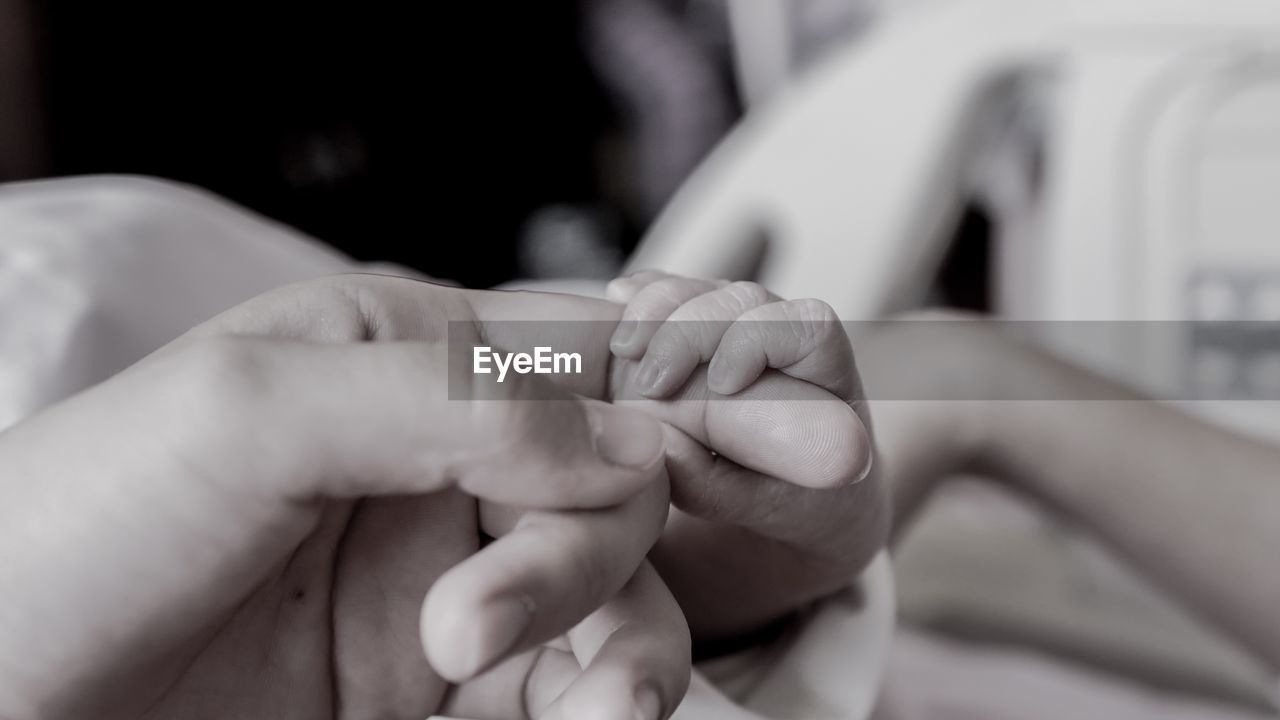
789	368
674	324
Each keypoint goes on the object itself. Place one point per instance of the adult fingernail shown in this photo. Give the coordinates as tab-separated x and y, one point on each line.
626	438
500	627
622	335
648	704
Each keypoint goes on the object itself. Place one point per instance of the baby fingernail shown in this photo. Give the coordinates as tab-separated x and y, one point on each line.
718	378
626	438
869	447
866	469
623	334
647	378
648	704
502	624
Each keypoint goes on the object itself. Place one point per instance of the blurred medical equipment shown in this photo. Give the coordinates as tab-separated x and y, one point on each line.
1128	150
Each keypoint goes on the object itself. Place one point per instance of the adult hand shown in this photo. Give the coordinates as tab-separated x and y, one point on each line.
246	523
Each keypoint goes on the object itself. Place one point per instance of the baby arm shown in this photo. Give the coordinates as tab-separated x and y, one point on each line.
1193	506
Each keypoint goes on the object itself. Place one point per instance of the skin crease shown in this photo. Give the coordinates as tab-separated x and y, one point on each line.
262	570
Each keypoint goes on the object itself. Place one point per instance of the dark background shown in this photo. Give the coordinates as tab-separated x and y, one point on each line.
419	133
424	134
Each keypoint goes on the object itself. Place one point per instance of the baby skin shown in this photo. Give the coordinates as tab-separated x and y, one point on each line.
767	546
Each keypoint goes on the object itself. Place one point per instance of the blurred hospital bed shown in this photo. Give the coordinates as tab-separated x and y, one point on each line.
1129	153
